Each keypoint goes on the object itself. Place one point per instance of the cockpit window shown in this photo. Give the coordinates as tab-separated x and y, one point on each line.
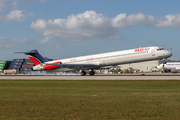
160	49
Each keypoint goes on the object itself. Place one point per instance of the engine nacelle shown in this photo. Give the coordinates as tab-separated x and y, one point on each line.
45	66
37	67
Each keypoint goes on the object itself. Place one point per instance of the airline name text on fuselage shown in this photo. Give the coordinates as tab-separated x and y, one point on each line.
141	49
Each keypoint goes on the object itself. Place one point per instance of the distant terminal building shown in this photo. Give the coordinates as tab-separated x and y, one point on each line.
148	66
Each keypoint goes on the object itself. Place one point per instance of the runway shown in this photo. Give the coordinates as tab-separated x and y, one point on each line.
96	77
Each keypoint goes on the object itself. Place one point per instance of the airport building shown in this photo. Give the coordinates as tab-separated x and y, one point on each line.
148	66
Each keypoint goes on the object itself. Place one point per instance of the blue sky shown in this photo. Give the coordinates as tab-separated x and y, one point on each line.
70	28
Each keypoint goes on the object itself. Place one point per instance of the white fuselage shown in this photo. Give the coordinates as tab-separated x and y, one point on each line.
115	58
170	66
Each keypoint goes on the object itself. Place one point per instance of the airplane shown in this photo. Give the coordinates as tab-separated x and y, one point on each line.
173	66
96	61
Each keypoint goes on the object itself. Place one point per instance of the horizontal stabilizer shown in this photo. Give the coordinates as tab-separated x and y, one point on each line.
25	52
35	57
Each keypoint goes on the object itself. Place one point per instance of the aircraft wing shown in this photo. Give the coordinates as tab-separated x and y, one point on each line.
76	66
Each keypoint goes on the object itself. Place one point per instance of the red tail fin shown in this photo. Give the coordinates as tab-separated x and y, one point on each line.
36	62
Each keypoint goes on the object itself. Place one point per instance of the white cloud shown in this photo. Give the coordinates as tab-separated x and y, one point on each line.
11	43
39	25
46	39
169	21
77	27
122	20
90	25
16	15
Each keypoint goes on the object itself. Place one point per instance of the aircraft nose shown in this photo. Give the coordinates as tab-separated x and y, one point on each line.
170	54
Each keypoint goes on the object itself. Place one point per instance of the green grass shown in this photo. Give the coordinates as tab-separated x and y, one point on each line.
87	100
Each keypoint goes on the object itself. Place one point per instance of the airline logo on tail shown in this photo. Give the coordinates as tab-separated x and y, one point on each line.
35	57
34	60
